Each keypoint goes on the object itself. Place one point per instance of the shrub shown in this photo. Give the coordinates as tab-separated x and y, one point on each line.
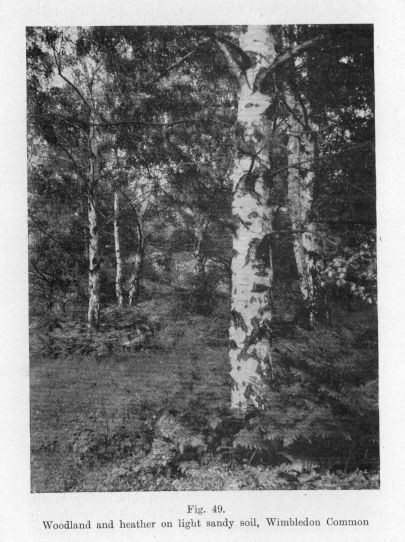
322	401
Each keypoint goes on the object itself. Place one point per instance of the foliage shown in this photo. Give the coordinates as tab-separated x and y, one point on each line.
353	272
284	476
157	417
323	400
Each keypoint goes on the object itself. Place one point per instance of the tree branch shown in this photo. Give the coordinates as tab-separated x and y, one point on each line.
157	124
60	117
316	159
294	51
59	67
184	58
54	239
73	161
232	64
40	274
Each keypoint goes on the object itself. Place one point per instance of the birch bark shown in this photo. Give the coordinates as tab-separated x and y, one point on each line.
93	315
198	252
138	263
301	178
118	258
252	273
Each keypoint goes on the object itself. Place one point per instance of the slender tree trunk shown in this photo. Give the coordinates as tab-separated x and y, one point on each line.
252	273
138	264
118	259
93	316
198	254
301	153
84	216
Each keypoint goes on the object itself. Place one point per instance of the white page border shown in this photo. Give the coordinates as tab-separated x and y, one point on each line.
22	513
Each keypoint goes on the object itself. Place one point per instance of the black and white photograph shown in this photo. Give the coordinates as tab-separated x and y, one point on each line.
202	258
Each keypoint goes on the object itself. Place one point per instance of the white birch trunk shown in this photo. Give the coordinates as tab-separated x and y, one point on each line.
118	259
84	216
301	153
138	265
93	316
250	328
198	254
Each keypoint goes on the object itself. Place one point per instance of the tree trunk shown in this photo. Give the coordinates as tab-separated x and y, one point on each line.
301	154
138	264
252	273
118	259
198	254
84	216
93	316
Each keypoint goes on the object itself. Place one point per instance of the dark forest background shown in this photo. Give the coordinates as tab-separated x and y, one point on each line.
136	395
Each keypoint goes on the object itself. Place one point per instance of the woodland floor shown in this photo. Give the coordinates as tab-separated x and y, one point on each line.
73	394
92	418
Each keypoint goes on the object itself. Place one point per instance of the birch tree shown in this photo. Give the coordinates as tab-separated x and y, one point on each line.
141	190
138	260
300	179
251	312
117	247
132	195
72	122
93	314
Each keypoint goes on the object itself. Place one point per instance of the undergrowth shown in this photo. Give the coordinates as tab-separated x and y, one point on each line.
159	418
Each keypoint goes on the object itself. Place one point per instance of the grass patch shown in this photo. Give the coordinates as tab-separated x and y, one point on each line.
159	418
84	408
